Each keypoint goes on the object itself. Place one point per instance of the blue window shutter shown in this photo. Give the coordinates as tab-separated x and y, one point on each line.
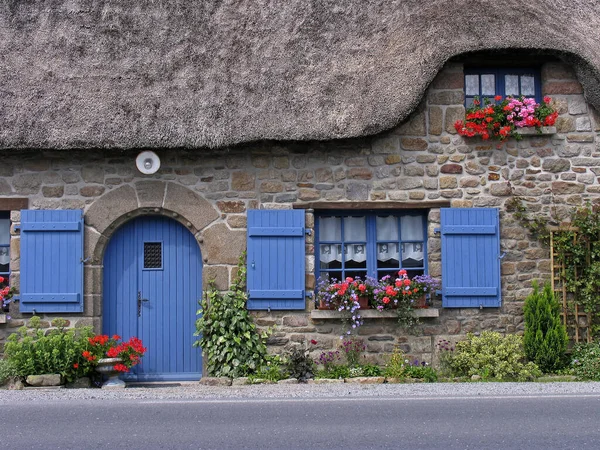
51	261
276	274
470	257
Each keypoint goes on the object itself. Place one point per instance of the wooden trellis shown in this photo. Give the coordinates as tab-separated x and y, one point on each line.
577	321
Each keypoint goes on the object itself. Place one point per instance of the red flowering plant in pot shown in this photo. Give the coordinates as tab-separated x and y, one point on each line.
102	346
503	118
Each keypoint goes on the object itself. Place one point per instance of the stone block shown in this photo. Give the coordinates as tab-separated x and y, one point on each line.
386	145
111	206
413	144
49	191
222	245
44	380
435	120
564	187
80	383
178	199
27	183
150	193
92	191
357	191
556	165
359	173
565	124
577	105
365	380
451	168
453	113
583	124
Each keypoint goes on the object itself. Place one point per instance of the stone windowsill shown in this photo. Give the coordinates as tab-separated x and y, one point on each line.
373	314
2	318
534	132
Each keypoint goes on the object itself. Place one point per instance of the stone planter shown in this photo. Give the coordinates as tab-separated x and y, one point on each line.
106	367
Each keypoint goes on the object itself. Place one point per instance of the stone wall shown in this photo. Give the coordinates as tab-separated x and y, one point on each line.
421	160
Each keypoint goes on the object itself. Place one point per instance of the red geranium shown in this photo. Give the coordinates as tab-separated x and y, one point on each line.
102	346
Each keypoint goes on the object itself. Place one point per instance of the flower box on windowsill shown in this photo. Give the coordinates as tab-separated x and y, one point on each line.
374	314
534	132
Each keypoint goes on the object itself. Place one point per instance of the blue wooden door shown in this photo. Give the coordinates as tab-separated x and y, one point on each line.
152	283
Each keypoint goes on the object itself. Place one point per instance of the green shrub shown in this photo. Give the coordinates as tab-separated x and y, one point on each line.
585	361
33	352
422	372
7	371
229	338
492	356
545	339
370	370
274	370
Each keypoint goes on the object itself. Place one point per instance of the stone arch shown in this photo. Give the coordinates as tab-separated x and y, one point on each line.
154	197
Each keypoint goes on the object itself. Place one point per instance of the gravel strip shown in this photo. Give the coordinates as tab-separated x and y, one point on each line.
195	391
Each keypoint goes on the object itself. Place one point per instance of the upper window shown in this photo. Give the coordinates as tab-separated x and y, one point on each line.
490	82
374	244
4	244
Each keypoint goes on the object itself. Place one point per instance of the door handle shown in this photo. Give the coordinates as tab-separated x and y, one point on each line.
139	303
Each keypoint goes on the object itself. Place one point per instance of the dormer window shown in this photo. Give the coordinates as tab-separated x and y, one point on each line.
490	82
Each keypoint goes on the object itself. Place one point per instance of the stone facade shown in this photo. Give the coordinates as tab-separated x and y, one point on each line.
422	160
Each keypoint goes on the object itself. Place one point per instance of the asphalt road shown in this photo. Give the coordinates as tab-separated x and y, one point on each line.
565	421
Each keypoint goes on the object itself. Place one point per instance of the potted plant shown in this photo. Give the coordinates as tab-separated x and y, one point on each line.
111	357
6	294
421	286
502	118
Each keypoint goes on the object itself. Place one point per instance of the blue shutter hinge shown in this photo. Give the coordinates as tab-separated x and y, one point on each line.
308	232
437	230
85	260
17	227
253	265
502	255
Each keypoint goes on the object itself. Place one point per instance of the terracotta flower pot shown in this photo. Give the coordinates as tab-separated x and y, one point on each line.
325	306
363	301
420	303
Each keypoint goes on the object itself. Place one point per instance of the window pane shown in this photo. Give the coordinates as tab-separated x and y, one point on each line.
469	102
4	231
527	85
330	229
488	84
388	252
411	228
472	84
511	84
412	254
355	229
387	228
355	254
329	253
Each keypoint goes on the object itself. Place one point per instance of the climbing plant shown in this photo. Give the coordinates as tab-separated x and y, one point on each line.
576	250
231	342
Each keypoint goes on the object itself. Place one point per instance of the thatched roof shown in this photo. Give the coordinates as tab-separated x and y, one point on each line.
181	73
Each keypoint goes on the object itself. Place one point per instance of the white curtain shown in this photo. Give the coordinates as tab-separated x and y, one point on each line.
4	240
330	229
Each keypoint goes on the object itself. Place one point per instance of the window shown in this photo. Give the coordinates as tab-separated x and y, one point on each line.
4	244
152	255
4	250
504	82
373	244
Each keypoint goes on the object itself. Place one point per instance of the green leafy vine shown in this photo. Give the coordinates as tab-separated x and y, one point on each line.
231	342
